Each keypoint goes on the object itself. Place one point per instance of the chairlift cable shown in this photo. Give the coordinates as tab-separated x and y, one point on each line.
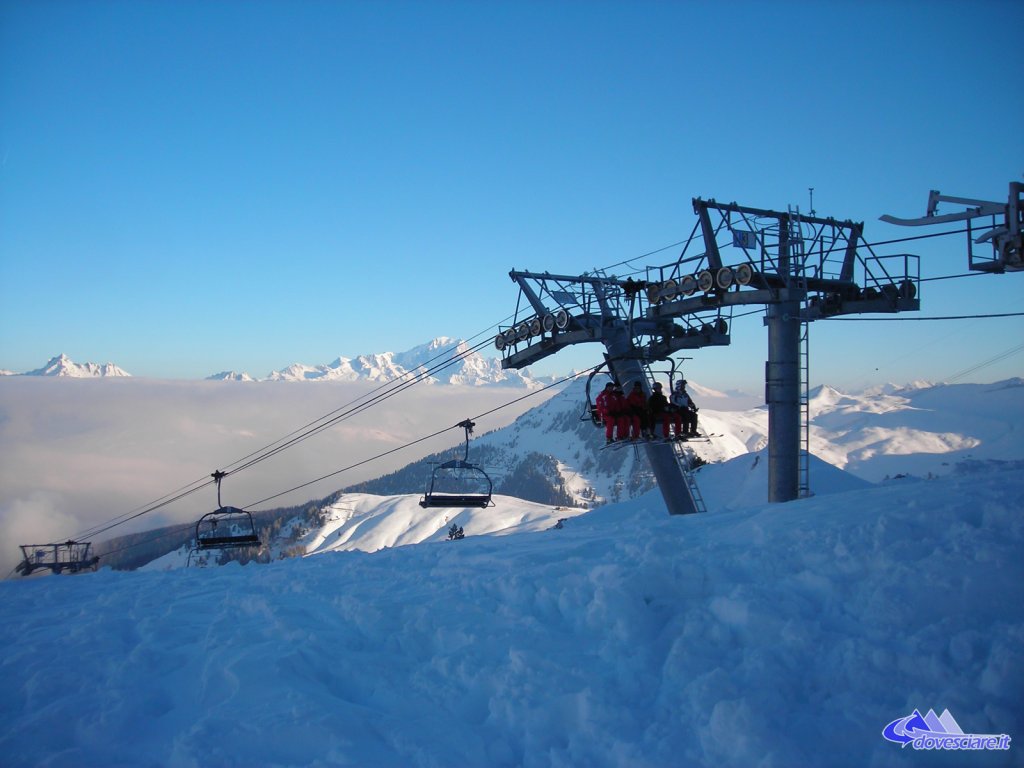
414	442
921	319
202	483
950	277
149	509
173	530
991	361
538	391
350	467
917	237
143	508
402	386
400	382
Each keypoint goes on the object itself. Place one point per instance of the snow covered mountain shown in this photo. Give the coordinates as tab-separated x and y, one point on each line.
62	365
472	369
230	376
917	430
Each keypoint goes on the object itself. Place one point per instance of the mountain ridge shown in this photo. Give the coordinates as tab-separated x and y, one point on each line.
63	366
442	360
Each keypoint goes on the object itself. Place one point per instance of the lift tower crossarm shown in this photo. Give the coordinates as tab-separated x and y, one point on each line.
768	213
597	314
852	230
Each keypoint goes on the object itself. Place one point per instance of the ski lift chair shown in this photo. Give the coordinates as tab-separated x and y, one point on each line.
225	527
71	556
591	412
462	473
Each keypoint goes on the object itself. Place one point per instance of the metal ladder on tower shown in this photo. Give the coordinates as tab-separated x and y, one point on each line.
690	476
798	254
805	409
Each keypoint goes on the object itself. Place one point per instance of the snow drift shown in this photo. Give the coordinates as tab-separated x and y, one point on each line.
774	635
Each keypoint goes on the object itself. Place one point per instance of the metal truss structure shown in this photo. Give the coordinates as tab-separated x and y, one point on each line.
800	268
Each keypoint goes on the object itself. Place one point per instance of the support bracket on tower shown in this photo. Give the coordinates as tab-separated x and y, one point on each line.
1005	235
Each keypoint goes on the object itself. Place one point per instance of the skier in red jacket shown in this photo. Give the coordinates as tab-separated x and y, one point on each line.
616	425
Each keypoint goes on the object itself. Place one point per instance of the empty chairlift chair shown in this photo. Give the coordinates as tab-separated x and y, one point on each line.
225	527
458	483
70	556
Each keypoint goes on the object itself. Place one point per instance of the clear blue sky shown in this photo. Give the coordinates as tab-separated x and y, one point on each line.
189	187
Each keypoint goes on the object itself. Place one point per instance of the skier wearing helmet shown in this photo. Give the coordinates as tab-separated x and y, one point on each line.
687	408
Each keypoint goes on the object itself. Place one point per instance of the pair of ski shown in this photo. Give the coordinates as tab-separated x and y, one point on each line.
616	444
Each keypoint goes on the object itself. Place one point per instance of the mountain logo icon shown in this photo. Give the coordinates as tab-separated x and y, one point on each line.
933	731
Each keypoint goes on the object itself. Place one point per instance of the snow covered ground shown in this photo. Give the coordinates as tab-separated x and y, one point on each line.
771	635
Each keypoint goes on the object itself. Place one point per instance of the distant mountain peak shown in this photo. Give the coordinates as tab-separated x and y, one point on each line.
448	361
62	365
230	376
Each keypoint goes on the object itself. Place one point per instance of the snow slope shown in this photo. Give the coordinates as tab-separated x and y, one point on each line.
919	429
784	635
368	523
361	521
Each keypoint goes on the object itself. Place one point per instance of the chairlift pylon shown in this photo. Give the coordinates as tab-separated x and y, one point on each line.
450	472
225	527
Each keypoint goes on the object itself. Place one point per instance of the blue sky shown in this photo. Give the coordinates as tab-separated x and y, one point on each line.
190	187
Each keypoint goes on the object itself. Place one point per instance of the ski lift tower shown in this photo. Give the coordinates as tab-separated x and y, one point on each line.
565	310
800	268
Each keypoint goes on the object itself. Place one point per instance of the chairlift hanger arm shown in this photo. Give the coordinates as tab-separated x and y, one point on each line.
467	425
976	208
1007	238
217	476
